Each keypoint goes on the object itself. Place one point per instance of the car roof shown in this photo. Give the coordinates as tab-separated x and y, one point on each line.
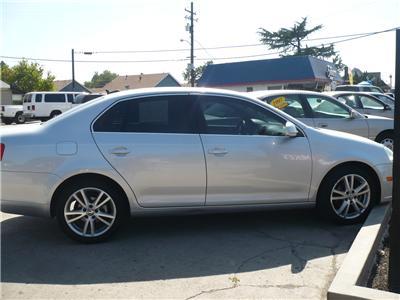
267	93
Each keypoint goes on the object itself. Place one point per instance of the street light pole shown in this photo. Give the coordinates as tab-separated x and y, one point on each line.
73	70
394	230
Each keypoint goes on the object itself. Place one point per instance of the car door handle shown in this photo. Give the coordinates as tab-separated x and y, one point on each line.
218	151
119	151
322	125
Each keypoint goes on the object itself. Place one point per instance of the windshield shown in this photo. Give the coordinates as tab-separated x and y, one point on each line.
385	99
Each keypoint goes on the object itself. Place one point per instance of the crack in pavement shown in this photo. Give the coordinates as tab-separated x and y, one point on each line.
302	262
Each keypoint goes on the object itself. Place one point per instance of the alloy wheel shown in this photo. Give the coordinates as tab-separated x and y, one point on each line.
388	142
350	196
90	212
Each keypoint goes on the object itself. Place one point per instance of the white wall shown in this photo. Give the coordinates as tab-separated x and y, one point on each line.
256	87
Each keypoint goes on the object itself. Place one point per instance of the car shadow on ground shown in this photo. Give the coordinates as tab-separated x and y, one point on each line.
34	250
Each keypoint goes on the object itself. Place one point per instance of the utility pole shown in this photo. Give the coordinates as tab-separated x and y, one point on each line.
394	230
191	30
73	70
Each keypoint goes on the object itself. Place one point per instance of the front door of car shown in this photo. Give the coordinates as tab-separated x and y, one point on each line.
372	106
153	143
330	114
249	160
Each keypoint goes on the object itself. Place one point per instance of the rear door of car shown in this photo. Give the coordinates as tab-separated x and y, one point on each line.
331	114
153	142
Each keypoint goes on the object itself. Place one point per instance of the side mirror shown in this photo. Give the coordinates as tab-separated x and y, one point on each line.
387	107
290	129
353	114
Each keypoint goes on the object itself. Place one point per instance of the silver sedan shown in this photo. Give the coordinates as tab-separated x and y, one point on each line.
177	150
323	111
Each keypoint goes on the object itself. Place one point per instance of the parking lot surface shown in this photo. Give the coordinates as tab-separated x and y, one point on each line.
286	254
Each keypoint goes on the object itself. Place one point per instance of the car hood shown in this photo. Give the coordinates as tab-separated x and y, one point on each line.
344	136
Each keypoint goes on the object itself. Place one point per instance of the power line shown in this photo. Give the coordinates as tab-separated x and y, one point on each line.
185	59
228	47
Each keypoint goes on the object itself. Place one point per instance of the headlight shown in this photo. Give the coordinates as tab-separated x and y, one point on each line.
389	153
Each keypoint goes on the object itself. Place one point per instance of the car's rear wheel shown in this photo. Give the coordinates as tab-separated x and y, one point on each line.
7	121
386	139
347	195
90	211
20	118
55	114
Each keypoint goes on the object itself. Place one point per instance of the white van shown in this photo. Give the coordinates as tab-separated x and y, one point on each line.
45	105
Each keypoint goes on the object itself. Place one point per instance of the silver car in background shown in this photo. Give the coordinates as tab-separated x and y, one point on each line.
177	150
323	111
365	103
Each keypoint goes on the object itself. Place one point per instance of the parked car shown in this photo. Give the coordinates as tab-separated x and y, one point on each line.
385	98
47	105
364	103
12	113
322	111
359	88
184	150
86	97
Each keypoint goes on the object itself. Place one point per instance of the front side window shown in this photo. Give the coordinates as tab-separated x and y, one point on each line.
38	98
326	108
70	98
228	116
290	104
27	98
54	98
370	103
159	114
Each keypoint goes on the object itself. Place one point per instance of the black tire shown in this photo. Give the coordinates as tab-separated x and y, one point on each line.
7	121
19	118
333	209
88	214
55	114
386	138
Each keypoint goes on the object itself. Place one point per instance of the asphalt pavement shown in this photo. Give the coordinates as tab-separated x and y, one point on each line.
262	255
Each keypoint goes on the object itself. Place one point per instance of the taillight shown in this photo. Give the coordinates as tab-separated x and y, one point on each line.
2	148
33	107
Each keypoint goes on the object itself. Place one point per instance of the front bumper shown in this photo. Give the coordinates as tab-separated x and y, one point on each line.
385	173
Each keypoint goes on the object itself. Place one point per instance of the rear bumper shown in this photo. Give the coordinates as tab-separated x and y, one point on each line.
26	193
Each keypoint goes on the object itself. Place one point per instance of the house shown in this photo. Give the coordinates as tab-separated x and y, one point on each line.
66	86
5	93
128	82
292	72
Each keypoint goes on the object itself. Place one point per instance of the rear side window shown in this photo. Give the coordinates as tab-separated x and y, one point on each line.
53	98
161	114
290	104
38	98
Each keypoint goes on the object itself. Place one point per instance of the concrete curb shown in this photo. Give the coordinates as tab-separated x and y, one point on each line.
359	260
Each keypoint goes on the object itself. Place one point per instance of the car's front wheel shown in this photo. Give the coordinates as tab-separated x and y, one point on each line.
386	139
347	195
90	211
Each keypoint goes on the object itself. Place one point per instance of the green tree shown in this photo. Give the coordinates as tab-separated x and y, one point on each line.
26	77
100	80
291	42
197	71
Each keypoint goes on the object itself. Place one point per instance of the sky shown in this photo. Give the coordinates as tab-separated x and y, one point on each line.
49	29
